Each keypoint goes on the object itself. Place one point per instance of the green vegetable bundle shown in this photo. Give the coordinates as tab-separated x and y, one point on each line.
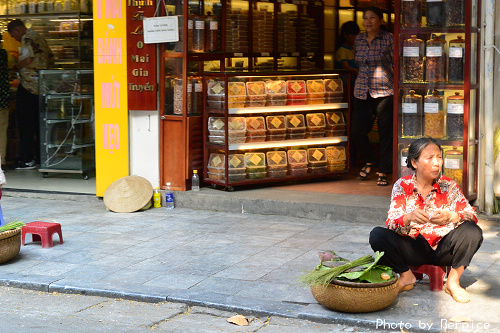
12	225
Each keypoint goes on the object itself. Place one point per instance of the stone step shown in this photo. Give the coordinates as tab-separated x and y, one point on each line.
267	201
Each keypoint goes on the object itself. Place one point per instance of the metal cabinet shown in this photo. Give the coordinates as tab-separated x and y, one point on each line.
67	121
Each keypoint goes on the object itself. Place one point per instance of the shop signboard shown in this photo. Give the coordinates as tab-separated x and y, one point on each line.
141	61
110	82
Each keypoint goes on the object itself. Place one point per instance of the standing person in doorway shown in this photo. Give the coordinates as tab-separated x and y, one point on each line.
35	54
344	57
4	103
373	94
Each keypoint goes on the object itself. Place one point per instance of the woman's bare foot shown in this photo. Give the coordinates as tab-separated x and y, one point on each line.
406	280
453	288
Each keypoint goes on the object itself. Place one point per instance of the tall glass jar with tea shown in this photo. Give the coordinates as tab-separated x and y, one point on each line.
455	116
435	10
413	59
456	60
196	106
411	13
198	33
435	64
453	165
412	115
178	96
434	115
211	33
455	13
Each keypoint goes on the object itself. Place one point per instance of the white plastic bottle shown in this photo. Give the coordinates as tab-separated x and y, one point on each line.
195	181
169	196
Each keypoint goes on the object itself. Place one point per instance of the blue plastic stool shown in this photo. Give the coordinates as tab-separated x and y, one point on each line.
2	222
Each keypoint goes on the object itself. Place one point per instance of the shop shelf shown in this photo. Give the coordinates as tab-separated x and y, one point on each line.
288	108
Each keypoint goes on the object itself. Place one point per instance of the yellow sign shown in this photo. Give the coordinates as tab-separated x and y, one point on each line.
110	81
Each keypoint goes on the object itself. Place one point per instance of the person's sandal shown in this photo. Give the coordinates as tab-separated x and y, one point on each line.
365	171
382	180
408	287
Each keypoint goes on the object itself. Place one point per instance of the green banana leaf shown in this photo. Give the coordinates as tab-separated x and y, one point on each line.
371	273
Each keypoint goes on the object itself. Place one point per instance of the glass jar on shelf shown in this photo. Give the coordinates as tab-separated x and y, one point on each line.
178	96
455	116
453	165
413	60
411	13
177	46
456	60
190	34
405	171
211	33
198	34
197	96
434	115
411	115
169	94
435	63
435	13
455	12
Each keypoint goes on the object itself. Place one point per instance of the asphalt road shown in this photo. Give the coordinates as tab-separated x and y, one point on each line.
23	310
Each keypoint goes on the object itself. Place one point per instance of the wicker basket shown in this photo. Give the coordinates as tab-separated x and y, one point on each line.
347	296
10	244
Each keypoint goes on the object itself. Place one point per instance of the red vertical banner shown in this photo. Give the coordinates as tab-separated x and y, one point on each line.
141	62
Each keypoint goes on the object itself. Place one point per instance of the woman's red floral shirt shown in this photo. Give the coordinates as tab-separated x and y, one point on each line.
445	194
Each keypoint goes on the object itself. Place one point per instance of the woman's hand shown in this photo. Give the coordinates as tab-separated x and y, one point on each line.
443	216
417	216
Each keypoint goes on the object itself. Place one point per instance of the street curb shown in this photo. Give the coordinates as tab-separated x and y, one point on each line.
241	305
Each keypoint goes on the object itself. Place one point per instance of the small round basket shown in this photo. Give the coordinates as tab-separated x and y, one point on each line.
357	297
10	244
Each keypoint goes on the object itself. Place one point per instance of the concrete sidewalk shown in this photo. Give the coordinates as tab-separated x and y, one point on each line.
232	259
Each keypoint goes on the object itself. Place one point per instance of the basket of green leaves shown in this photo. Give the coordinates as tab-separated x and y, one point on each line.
10	240
352	286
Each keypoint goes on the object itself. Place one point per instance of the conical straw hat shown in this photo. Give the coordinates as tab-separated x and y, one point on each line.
128	194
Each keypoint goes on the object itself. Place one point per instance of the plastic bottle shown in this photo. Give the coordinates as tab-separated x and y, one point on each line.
169	197
157	198
195	181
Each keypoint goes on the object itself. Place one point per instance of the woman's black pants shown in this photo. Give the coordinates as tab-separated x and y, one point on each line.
363	115
455	249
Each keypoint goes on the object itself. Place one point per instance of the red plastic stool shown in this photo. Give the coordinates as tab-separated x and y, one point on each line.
435	273
42	231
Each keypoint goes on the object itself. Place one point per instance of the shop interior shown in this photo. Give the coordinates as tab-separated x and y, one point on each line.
70	37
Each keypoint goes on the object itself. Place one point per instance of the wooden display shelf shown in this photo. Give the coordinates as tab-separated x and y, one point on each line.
470	88
287	108
441	86
443	142
274	179
287	143
431	30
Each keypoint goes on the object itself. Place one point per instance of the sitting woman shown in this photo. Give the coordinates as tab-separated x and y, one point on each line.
429	222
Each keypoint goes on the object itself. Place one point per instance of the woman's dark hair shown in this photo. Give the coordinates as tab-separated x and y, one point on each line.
379	12
416	149
348	28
